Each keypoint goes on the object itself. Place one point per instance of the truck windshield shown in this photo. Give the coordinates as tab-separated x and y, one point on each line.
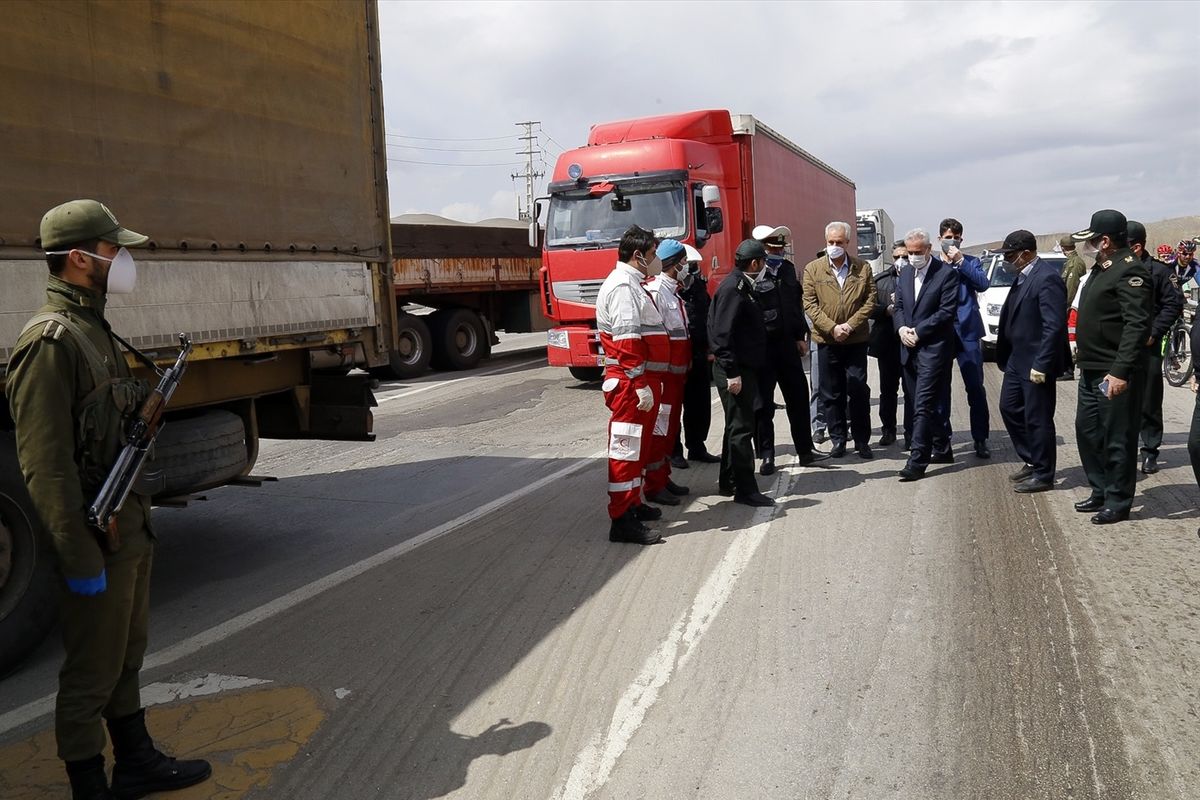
579	218
866	241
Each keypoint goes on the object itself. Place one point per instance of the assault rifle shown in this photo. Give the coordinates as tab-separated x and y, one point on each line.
143	429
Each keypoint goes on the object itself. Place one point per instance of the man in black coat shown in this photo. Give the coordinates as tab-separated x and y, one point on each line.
925	309
1168	307
738	337
697	399
885	349
1033	323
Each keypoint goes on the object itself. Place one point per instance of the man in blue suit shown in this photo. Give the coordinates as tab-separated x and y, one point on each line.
1029	351
924	314
968	326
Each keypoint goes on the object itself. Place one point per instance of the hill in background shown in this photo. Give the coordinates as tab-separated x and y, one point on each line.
1167	231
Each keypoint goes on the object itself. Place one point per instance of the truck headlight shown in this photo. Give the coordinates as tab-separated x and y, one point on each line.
557	337
993	309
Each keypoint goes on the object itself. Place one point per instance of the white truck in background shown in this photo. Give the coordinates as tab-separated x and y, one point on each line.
875	236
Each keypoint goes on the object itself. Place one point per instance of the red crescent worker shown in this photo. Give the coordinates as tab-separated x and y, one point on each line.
631	334
664	288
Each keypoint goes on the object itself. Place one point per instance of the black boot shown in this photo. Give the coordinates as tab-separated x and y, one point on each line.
627	528
140	768
88	781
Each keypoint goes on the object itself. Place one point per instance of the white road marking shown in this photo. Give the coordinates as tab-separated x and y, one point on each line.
439	384
596	761
193	644
341	694
212	683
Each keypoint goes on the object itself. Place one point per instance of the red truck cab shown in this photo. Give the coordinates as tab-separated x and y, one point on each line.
689	177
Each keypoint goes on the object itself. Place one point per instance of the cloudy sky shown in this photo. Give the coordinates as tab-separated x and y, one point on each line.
1005	115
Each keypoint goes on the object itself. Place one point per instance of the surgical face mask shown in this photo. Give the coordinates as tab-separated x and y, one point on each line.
948	243
918	262
835	251
1090	248
653	266
122	272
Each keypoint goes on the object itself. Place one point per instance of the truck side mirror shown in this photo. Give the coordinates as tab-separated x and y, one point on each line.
714	220
711	195
533	234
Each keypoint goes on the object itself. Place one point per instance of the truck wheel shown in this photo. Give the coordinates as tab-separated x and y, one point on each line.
414	348
586	374
28	576
200	452
457	338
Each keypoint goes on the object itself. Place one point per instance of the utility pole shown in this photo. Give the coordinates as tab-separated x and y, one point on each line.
529	175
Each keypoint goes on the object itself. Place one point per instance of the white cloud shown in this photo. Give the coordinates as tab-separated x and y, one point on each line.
1005	115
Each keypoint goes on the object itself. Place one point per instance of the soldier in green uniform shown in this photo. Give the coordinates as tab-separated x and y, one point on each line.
70	394
1111	331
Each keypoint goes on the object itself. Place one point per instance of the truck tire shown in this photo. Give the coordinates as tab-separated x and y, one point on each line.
586	374
414	349
200	452
457	338
28	575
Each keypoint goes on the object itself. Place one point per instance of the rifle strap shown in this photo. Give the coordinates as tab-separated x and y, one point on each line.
138	354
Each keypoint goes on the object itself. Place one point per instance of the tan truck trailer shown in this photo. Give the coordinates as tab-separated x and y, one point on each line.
246	139
456	284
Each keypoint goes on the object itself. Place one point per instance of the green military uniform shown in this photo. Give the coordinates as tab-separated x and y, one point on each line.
70	413
1114	318
1072	272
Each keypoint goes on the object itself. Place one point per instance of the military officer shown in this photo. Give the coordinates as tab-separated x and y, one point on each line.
779	295
1168	307
738	337
71	393
1111	332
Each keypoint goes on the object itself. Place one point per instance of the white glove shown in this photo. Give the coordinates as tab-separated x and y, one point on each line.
645	399
1036	377
734	385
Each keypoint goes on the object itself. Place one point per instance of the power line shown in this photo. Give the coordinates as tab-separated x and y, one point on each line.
445	139
453	164
449	149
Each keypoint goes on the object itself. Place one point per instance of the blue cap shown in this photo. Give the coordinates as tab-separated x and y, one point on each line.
669	250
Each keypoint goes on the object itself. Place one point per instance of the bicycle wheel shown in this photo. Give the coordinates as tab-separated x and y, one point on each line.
1177	360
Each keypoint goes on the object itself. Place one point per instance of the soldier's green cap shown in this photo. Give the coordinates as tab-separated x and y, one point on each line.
1137	232
1066	242
83	220
1104	223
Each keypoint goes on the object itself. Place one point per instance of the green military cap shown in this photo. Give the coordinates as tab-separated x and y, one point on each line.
749	250
1104	223
1066	242
83	220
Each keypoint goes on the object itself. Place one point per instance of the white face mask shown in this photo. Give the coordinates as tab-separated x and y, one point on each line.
918	262
835	251
122	275
1088	249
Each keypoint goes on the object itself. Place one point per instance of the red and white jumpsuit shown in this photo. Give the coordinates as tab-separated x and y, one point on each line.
665	291
631	334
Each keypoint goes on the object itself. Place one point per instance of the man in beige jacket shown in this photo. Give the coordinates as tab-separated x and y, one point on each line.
839	296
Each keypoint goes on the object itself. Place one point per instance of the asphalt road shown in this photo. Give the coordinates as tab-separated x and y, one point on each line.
440	614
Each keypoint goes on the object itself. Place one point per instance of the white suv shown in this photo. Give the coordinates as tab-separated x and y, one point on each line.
991	300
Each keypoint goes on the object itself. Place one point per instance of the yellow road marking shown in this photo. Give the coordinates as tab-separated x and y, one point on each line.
245	734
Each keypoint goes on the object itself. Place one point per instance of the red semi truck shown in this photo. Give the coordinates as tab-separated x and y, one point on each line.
702	177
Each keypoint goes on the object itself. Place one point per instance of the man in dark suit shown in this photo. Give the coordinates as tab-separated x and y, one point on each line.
924	314
1033	323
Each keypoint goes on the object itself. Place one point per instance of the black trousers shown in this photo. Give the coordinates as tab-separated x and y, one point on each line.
844	387
925	380
697	406
737	446
889	392
785	368
1152	402
1107	432
1194	441
1027	409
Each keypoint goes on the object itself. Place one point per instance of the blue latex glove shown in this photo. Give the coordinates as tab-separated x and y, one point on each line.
88	586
